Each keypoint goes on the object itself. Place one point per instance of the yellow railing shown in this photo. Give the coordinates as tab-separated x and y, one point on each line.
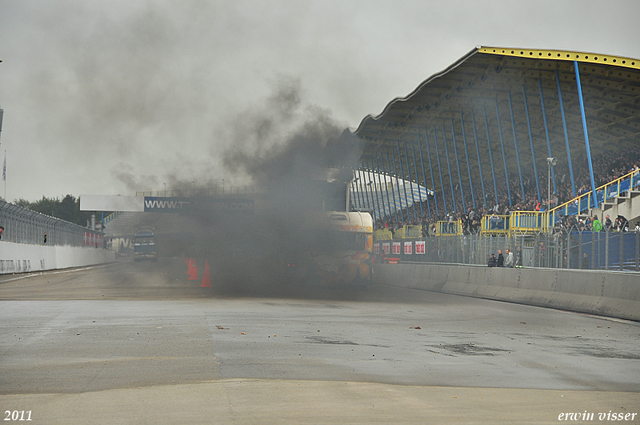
542	221
527	221
523	222
585	201
495	225
408	231
383	235
448	228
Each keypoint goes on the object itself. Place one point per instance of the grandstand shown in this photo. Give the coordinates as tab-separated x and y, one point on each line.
524	149
480	133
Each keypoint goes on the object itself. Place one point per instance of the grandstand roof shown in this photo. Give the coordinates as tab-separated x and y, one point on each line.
488	89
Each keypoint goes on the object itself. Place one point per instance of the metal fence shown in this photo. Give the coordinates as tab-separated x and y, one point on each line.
22	225
572	249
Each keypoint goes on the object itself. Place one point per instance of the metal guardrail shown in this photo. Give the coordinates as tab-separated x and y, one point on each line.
22	225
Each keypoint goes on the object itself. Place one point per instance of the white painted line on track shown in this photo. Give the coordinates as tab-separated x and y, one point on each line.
42	273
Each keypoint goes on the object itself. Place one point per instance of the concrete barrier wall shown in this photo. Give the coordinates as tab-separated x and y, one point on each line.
614	294
21	258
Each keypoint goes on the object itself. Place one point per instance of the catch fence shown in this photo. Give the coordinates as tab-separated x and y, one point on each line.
570	249
22	225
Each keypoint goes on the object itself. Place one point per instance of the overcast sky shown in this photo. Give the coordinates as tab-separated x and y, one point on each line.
113	97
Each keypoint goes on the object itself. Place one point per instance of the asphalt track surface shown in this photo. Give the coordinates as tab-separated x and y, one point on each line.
132	343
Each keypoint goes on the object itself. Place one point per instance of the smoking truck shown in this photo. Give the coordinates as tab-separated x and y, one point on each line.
144	246
350	259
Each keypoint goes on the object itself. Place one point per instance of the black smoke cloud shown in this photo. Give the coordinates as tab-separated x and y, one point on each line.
288	140
296	155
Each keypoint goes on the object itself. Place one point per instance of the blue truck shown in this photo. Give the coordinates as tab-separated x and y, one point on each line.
144	246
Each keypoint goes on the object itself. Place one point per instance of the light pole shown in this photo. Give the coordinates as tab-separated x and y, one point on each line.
551	162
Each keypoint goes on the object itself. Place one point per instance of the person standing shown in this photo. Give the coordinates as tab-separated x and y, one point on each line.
608	225
500	262
596	225
510	261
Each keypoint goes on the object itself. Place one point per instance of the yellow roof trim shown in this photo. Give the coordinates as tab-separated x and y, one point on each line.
563	55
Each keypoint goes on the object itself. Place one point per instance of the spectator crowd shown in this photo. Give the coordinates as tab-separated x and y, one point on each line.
607	167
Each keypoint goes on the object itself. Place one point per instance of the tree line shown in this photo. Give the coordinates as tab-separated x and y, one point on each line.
67	209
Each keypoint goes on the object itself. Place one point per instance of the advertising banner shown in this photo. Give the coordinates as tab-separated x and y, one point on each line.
174	204
164	204
408	248
395	249
419	247
385	248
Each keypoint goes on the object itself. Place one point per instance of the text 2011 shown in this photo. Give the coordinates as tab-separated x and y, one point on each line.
17	415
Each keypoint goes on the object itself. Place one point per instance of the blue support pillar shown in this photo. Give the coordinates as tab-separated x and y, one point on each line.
363	205
546	132
404	181
358	181
395	171
424	178
367	190
586	134
504	157
466	154
435	142
382	179
413	198
533	154
446	151
455	153
493	170
566	136
363	188
475	136
415	167
433	182
383	209
373	184
385	186
393	193
352	190
359	188
356	192
515	142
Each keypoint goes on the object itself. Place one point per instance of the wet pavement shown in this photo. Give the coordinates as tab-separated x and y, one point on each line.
142	331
